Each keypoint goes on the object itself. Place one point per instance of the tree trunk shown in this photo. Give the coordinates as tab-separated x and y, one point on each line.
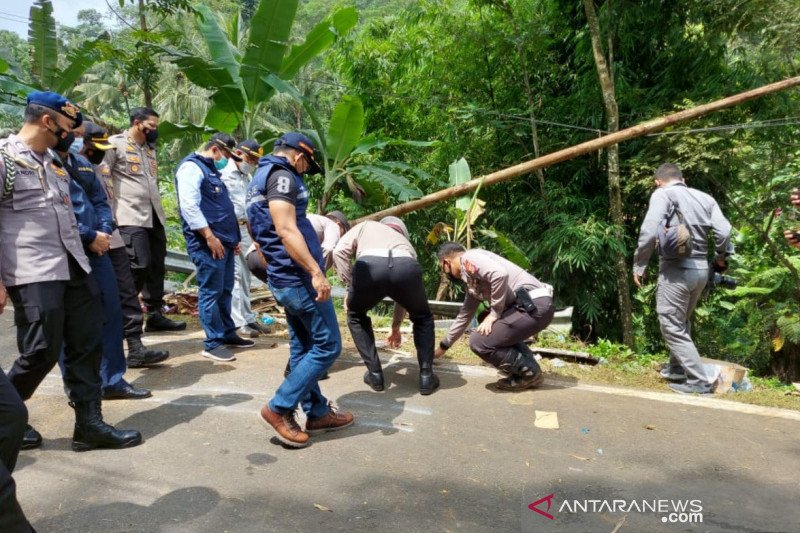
444	284
147	88
614	192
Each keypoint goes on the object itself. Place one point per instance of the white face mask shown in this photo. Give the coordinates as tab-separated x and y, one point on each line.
246	168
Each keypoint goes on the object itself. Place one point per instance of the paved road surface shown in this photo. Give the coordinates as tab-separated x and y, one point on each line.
465	458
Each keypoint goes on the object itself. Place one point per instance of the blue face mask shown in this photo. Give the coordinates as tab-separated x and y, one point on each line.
77	145
221	163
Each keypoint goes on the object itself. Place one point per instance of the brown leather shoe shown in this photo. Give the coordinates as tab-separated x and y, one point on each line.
332	421
286	427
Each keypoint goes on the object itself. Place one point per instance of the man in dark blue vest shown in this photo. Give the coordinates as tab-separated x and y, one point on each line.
95	225
277	200
212	240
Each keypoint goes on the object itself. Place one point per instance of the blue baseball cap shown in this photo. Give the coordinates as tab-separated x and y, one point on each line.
57	103
302	144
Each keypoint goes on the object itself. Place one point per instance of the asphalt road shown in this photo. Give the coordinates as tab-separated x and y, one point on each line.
465	458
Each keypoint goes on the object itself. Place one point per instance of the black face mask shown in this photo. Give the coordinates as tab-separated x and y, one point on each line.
63	143
95	157
150	135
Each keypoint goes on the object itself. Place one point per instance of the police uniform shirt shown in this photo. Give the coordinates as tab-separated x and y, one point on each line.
491	278
104	177
38	230
327	231
368	235
133	169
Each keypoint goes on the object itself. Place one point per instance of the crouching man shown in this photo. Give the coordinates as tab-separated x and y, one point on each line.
520	306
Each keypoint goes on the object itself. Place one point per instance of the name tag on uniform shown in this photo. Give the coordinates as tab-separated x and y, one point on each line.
85	169
133	159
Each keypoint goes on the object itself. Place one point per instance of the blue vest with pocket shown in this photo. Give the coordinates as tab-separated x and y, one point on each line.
282	271
216	206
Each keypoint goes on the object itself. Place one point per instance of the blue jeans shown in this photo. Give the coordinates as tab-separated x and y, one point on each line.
314	344
215	278
112	363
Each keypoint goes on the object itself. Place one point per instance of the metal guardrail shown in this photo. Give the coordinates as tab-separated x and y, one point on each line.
562	321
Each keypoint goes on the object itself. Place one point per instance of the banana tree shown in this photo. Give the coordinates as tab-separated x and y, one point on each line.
236	70
45	73
466	213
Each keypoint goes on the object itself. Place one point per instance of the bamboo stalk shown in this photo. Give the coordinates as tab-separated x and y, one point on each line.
651	126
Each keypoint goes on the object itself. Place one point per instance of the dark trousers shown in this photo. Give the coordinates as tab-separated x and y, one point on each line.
132	317
112	364
399	278
51	313
513	327
147	250
13	418
215	280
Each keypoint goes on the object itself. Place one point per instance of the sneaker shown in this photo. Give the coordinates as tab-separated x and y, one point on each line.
685	388
673	373
238	342
220	353
287	430
248	332
333	421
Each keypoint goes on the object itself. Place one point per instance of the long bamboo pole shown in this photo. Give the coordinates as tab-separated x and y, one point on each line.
651	126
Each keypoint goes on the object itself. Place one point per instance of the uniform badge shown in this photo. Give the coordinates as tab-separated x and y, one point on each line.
133	159
134	169
60	172
470	268
130	148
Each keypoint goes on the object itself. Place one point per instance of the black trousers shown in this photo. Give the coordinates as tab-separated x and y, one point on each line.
13	418
132	318
147	250
50	314
399	278
513	327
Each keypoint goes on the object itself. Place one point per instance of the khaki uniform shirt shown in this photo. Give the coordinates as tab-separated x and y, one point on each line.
368	235
491	278
328	234
133	170
38	230
104	176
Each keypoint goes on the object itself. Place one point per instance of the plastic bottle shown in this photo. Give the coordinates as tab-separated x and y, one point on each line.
267	320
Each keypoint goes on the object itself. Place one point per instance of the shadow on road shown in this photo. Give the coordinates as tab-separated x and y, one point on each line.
180	376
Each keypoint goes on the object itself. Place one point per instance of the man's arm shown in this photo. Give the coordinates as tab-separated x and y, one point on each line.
99	200
659	203
722	234
188	179
343	256
461	322
284	216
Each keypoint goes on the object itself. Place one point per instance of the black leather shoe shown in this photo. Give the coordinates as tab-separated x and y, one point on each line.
428	382
139	356
92	432
126	391
158	322
238	342
374	380
31	439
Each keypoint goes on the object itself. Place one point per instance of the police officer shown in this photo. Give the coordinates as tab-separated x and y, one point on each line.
520	306
133	167
212	238
329	229
94	146
236	176
681	280
277	200
45	271
95	225
385	265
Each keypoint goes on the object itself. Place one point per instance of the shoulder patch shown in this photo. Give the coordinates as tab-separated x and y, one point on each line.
470	267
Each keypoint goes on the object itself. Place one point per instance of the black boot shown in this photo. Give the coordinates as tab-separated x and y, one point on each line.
158	322
139	356
31	438
91	432
428	381
522	370
374	380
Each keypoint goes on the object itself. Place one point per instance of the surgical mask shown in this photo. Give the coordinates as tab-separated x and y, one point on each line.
221	163
95	157
246	168
77	146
